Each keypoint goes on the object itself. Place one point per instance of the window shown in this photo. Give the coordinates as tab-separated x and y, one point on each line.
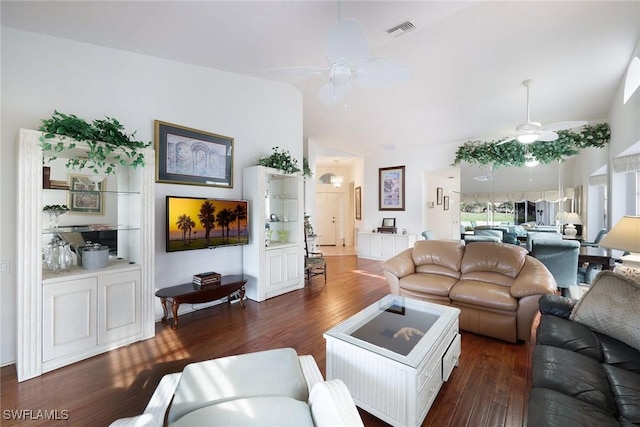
632	81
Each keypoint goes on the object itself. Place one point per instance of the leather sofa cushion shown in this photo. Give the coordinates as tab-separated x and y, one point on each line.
251	411
626	389
432	284
445	254
552	409
499	258
556	305
437	269
619	354
563	333
572	374
228	378
483	294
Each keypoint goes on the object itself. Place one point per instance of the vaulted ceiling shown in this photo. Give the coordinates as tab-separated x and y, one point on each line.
467	59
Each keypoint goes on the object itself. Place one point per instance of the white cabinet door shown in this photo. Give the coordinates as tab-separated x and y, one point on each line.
291	258
388	246
364	245
69	317
275	273
118	306
375	245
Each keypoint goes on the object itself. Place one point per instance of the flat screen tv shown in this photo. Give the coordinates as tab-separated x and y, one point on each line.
201	223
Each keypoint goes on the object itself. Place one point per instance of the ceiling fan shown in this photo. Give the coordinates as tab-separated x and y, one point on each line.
347	53
529	131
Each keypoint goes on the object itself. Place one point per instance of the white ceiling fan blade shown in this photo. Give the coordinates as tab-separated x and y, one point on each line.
379	72
347	43
547	135
296	73
504	141
332	94
565	125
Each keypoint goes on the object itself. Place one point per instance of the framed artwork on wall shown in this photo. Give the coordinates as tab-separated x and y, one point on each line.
191	156
439	193
445	202
86	194
358	200
391	189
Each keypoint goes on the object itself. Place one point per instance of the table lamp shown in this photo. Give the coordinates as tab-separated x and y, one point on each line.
571	219
625	236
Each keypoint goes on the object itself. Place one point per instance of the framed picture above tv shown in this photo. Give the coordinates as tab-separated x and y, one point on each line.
191	156
201	223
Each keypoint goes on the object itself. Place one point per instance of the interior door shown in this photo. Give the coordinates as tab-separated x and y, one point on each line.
326	226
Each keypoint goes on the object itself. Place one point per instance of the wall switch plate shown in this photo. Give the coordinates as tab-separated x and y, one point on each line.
4	267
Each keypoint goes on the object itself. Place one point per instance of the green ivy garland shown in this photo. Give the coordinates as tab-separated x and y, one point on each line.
108	144
512	153
280	160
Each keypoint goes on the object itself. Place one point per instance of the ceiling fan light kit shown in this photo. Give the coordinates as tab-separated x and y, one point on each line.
530	132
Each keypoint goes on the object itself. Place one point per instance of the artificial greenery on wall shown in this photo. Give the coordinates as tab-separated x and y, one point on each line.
280	159
512	153
108	144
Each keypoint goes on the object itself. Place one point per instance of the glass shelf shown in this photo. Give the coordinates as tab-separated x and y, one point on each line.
116	192
87	228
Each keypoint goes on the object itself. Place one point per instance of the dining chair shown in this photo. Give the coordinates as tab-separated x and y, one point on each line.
599	236
561	259
314	263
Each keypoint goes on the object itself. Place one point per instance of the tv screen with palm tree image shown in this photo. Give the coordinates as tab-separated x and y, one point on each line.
201	223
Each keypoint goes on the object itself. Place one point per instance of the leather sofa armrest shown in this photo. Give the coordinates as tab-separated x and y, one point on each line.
400	265
533	279
332	405
556	305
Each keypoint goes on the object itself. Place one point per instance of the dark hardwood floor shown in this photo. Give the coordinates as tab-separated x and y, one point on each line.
489	388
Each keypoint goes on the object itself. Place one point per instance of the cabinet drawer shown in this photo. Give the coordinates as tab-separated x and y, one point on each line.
450	358
429	385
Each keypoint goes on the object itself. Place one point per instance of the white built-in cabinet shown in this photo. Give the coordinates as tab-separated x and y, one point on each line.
382	246
273	266
66	317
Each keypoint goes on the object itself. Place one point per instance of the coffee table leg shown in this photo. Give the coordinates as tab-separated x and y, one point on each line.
174	310
163	302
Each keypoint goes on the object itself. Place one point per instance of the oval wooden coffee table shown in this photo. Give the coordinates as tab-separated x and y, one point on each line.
193	294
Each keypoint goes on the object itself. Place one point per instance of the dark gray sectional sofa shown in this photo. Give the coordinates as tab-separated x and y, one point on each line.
581	377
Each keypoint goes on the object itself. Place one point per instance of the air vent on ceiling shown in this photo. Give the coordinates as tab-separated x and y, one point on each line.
402	29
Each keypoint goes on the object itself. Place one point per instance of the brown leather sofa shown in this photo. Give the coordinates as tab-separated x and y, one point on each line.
495	285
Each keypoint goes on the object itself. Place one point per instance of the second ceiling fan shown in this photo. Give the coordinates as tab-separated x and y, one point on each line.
530	131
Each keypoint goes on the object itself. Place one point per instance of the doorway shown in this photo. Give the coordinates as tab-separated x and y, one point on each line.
330	214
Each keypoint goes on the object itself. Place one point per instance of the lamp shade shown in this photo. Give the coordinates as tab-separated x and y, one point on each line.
572	218
624	236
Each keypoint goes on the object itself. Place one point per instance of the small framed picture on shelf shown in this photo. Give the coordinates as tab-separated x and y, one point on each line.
86	194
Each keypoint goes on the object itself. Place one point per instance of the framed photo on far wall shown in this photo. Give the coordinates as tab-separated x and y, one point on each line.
86	194
191	156
358	200
391	189
445	203
439	192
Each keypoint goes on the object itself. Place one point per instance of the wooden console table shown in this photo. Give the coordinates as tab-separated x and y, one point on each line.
193	294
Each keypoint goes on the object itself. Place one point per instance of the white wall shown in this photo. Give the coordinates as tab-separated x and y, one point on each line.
416	162
41	73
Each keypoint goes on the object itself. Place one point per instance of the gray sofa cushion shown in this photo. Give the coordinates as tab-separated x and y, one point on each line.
251	411
228	378
553	409
626	389
572	374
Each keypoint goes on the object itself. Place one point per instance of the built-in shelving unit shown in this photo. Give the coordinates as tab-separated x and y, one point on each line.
69	316
274	265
